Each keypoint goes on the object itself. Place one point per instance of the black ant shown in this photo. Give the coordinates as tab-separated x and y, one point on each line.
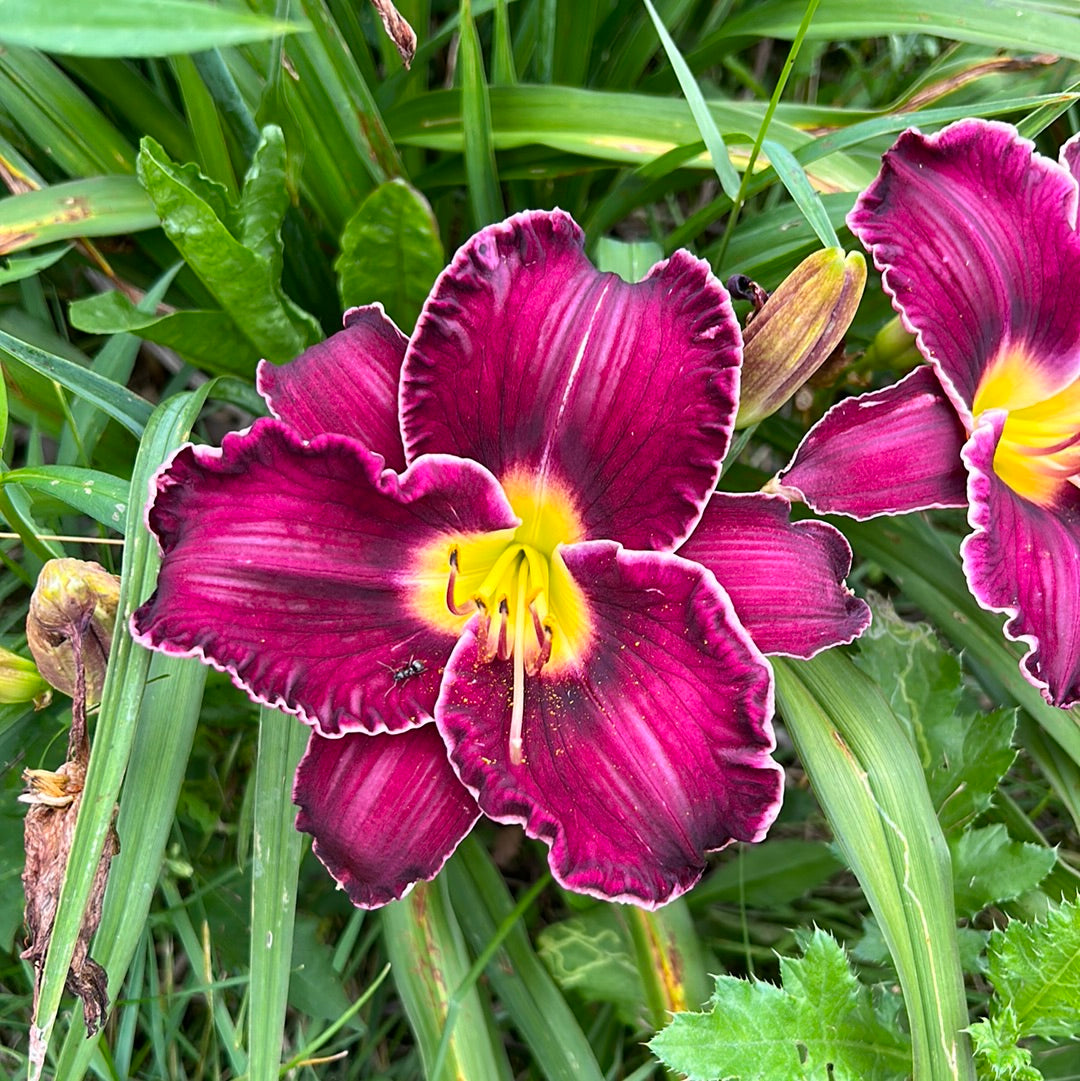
402	675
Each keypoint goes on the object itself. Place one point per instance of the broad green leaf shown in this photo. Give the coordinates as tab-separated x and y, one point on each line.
989	868
1035	969
315	989
98	495
963	753
29	265
93	206
821	1025
390	252
245	282
131	27
210	339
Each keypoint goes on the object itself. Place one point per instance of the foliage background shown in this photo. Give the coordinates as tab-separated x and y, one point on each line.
134	280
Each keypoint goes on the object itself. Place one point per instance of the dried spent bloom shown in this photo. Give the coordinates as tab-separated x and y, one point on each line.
976	238
70	624
797	329
73	600
487	566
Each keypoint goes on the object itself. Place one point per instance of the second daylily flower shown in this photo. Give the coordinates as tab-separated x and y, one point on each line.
976	237
466	561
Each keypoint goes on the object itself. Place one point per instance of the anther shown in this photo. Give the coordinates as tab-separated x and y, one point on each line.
450	603
503	649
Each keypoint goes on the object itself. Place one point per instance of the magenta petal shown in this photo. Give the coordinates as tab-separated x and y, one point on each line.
647	756
385	811
1024	560
887	452
526	356
347	384
287	564
785	578
974	233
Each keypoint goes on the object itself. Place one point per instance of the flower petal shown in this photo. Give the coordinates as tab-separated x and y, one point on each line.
1024	559
1070	159
785	578
527	358
287	564
886	452
385	811
347	384
974	233
640	760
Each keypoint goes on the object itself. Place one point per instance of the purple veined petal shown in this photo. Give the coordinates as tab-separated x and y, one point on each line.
641	758
347	384
1024	560
887	452
386	811
786	579
974	233
291	565
529	360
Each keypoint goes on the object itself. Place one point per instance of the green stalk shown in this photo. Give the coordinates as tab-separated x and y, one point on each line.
869	781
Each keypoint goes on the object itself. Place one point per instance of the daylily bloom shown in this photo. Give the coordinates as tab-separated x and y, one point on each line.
976	237
454	556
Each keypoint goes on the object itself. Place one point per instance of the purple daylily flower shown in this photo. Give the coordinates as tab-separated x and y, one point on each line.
462	558
976	238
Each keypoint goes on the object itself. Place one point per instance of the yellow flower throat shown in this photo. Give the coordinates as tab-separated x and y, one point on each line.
1039	449
529	609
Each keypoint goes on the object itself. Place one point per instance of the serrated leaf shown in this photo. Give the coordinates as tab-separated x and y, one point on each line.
964	754
996	1051
1035	969
590	954
390	252
820	1026
245	281
990	868
210	339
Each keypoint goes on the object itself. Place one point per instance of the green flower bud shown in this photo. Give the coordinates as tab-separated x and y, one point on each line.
797	330
21	682
73	607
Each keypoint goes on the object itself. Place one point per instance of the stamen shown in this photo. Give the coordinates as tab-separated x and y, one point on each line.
544	655
483	633
450	603
517	712
504	625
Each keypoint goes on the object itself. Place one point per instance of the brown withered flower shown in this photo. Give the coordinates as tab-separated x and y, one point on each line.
69	629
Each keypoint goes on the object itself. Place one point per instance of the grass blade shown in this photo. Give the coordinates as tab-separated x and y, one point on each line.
479	148
276	861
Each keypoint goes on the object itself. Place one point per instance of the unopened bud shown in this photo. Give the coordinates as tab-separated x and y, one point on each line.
73	607
21	682
797	329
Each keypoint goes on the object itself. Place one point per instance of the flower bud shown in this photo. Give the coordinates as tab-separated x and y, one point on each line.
797	330
73	608
21	682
